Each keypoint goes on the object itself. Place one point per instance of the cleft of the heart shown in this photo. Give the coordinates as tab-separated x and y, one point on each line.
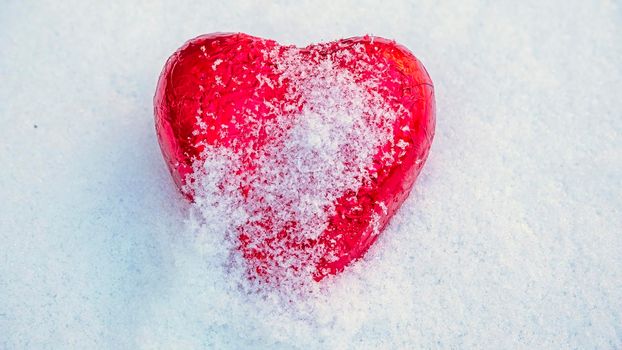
305	154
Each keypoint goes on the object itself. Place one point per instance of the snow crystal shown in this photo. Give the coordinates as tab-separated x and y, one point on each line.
314	156
510	239
216	62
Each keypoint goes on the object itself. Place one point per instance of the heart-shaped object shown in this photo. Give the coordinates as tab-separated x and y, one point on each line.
306	153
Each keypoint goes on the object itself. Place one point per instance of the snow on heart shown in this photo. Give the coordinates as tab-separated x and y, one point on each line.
296	158
322	144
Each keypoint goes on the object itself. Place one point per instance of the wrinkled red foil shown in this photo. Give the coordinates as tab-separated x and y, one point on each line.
187	84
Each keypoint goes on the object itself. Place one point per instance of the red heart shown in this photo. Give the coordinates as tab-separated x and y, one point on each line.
316	147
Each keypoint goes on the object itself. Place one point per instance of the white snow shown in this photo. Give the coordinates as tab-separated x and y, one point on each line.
510	239
312	158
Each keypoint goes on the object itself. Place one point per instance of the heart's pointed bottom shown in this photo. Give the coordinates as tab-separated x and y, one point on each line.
299	156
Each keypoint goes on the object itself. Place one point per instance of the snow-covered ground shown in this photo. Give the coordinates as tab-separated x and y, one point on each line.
512	237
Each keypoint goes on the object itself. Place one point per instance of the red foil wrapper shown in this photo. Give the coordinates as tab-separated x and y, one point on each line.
217	75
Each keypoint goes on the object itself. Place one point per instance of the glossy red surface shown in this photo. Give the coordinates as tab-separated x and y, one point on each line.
188	83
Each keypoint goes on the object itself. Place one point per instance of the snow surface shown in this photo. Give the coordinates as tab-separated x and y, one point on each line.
512	237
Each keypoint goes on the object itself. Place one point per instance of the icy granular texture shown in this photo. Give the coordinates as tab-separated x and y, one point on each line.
321	144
